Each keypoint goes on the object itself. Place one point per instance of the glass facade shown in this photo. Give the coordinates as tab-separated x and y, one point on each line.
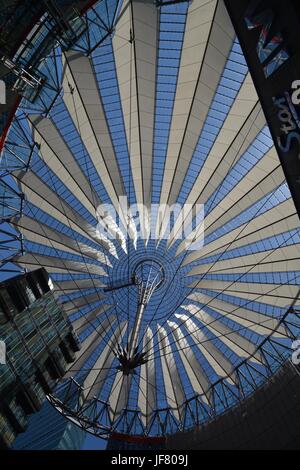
39	343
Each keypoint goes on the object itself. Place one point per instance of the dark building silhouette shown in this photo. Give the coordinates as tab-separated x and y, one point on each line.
268	419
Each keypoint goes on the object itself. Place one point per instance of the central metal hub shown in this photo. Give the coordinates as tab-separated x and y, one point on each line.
129	362
149	272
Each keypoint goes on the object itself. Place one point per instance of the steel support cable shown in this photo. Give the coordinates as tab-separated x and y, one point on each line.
82	389
71	276
91	189
88	369
224	316
221	255
212	22
131	42
258	348
79	129
250	301
186	253
197	397
218	259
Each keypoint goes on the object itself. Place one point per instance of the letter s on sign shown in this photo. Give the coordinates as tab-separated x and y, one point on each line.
288	143
296	94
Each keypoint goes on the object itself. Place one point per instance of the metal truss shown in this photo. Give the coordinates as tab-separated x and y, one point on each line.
48	33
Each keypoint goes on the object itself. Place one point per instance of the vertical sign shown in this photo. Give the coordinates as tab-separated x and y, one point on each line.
269	34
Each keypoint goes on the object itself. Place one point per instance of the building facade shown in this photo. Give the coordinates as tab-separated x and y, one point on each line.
39	342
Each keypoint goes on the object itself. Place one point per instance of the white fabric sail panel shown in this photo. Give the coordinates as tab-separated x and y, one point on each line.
175	393
275	295
119	395
196	84
280	259
77	284
217	49
147	383
256	231
42	196
76	303
38	232
85	320
263	168
136	65
91	121
259	233
235	341
53	264
112	229
85	107
233	141
195	372
88	346
251	121
127	80
279	219
55	153
271	181
218	361
145	33
101	370
142	394
254	289
259	323
264	177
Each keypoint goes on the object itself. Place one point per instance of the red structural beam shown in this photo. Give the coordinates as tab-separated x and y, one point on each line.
9	121
138	439
88	6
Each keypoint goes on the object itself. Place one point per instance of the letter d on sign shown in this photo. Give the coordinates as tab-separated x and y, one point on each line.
2	92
